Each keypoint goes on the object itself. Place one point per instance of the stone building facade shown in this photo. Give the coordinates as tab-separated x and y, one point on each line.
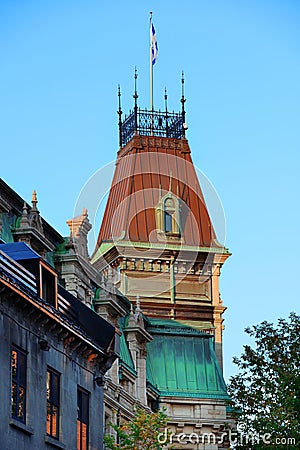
54	350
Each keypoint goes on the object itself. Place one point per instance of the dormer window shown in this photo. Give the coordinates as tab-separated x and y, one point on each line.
169	210
42	272
168	216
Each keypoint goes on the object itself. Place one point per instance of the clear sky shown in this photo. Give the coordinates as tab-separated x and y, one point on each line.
61	62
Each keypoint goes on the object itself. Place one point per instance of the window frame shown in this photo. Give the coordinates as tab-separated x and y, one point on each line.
53	403
48	284
171	216
19	381
83	417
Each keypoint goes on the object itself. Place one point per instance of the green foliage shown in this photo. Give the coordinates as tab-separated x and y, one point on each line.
266	392
140	433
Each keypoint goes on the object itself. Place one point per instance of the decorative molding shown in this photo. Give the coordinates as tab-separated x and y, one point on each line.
182	331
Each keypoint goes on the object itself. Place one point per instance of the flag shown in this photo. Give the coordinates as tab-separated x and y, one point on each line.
153	43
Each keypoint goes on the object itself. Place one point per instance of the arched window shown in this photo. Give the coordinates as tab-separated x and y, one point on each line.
167	215
169	209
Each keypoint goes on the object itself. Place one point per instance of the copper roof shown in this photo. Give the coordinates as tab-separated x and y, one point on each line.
148	168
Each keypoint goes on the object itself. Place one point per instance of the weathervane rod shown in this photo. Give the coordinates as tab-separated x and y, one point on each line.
151	66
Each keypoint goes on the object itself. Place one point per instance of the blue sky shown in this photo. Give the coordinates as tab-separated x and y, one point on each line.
61	62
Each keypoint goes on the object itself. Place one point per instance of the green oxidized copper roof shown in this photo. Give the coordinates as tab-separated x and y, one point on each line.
49	259
8	222
106	246
181	362
61	248
125	355
167	326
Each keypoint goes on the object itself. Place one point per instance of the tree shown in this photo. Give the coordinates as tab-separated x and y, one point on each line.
140	433
266	392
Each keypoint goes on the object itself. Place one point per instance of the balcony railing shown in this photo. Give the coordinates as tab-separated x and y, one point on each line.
151	123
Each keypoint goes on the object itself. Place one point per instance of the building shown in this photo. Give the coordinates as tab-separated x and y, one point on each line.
151	285
54	350
158	244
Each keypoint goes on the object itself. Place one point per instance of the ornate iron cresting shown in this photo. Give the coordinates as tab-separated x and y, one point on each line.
151	123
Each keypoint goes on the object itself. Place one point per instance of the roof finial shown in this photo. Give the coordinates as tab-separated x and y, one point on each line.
135	96
166	105
120	116
34	201
131	320
184	127
135	83
166	99
24	222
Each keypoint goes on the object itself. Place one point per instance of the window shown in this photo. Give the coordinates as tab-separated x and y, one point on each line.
53	394
18	384
167	217
48	286
168	222
82	419
171	215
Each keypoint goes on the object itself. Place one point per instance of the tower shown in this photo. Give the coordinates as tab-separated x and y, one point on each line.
156	232
158	245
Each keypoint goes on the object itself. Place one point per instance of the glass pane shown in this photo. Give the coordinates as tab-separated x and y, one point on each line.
21	405
48	385
84	437
22	368
48	423
78	435
14	400
85	407
168	222
14	359
55	389
55	422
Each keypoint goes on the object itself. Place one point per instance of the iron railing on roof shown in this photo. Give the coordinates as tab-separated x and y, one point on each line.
151	123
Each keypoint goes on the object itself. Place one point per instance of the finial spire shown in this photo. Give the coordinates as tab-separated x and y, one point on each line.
34	201
166	106
24	223
182	103
135	83
182	84
166	99
135	96
120	116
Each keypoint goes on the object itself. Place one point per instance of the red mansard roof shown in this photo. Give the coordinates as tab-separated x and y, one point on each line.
148	168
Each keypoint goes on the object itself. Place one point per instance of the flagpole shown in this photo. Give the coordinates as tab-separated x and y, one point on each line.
151	66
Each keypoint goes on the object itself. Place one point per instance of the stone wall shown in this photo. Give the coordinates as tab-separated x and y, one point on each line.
15	329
